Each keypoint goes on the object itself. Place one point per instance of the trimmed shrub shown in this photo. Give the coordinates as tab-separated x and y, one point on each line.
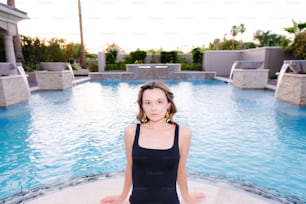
168	57
138	56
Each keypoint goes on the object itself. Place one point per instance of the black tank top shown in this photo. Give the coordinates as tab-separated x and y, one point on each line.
154	173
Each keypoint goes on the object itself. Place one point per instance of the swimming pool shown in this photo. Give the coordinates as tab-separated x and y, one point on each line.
242	136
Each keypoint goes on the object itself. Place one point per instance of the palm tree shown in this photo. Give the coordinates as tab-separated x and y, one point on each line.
16	38
296	28
82	49
234	32
241	30
262	37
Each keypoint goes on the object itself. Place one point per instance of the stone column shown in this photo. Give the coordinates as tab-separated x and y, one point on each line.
9	49
101	61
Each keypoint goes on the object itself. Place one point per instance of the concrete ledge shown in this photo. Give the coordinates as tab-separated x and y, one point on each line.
182	75
81	72
91	193
111	75
193	75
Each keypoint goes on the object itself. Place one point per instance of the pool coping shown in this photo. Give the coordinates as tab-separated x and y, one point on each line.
92	192
85	79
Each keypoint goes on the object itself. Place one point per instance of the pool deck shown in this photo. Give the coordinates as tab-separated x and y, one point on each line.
91	193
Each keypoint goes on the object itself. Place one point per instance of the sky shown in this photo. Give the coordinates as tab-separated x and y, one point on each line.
156	24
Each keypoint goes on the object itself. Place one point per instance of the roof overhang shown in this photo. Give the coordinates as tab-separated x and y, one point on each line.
10	14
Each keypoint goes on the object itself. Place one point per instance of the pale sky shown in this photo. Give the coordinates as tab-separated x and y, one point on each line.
155	24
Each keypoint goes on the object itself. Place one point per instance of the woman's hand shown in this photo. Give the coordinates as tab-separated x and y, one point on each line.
114	199
195	198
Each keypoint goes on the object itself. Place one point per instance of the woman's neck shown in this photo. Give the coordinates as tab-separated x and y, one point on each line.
158	124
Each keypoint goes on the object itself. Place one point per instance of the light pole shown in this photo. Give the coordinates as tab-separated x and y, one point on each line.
82	50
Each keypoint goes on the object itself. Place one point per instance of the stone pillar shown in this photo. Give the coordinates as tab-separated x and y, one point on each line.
250	78
9	49
101	61
291	88
54	80
13	90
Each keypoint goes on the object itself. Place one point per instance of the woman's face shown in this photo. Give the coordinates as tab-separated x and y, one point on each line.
155	104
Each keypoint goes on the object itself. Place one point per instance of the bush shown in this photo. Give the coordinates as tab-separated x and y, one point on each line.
196	55
191	67
168	57
138	56
111	56
299	46
128	60
74	67
32	68
93	66
117	66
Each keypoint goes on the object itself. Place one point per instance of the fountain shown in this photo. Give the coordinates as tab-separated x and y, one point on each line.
14	87
56	76
291	82
248	74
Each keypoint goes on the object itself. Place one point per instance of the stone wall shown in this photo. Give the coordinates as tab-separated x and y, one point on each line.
221	61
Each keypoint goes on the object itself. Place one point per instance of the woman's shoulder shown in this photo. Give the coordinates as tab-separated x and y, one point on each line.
184	131
130	129
129	133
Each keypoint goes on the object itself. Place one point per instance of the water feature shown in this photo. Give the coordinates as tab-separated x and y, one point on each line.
232	70
291	82
23	74
71	71
14	87
245	137
244	64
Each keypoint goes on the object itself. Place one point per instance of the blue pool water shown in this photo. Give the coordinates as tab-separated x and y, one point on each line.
243	136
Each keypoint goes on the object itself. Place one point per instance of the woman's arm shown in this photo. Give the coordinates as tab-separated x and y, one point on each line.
129	134
184	144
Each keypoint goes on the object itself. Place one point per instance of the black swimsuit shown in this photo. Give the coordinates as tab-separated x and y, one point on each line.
154	173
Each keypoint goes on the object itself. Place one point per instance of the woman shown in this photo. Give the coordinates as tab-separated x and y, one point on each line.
156	151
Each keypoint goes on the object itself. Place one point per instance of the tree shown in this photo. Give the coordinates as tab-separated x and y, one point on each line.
82	50
266	38
298	47
16	38
234	32
241	30
196	55
112	51
296	28
261	37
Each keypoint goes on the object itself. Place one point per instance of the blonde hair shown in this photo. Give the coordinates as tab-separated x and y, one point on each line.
153	85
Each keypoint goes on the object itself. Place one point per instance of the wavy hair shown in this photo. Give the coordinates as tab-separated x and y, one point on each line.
159	85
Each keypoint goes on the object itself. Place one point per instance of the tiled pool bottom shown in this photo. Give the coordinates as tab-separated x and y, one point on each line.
267	195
